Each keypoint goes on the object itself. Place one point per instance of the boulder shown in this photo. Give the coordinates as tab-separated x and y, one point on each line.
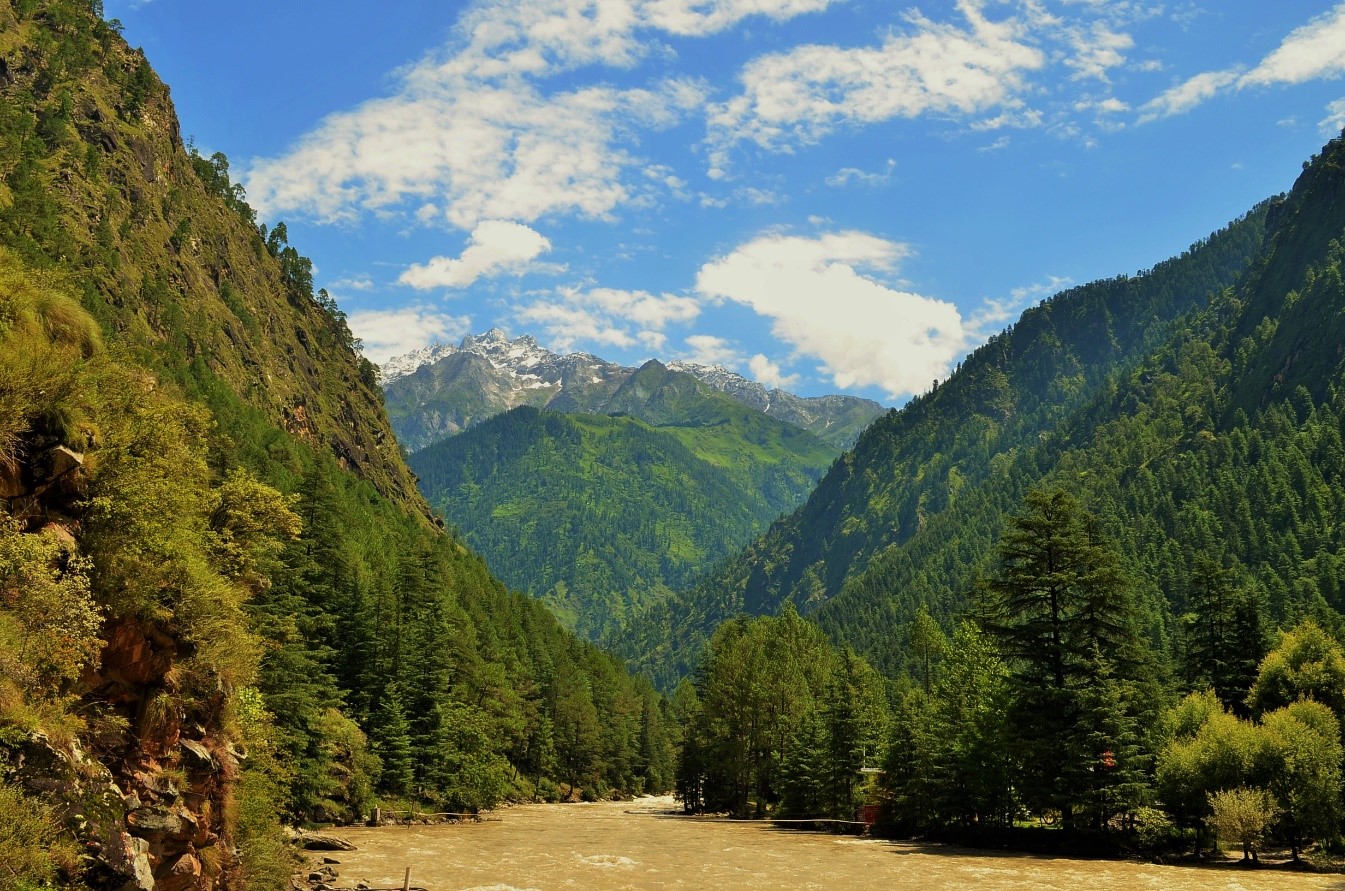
127	857
161	823
316	841
180	874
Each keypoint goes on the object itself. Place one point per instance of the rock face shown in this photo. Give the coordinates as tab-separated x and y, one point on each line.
151	824
441	390
147	806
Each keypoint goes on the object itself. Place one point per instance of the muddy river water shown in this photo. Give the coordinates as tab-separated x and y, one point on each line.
642	845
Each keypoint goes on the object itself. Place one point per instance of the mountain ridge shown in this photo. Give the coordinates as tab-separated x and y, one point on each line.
442	389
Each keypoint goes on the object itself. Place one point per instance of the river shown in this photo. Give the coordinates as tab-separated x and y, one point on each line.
609	846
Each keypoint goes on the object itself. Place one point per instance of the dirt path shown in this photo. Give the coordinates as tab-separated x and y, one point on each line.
638	845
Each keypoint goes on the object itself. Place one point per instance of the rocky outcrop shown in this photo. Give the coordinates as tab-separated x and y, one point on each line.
46	486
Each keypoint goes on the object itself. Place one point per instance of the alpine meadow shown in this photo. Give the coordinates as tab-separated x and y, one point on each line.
288	555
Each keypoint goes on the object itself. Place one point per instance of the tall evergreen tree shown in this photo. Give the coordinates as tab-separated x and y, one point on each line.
1063	614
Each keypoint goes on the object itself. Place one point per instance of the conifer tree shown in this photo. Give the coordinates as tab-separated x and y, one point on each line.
391	738
1063	614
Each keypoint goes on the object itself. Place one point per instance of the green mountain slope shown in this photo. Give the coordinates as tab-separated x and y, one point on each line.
240	609
912	465
96	180
1223	444
599	515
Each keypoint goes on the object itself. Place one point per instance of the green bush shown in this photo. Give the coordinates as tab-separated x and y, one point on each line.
32	852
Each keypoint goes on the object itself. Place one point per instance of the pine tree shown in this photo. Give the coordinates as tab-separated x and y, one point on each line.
391	738
1063	614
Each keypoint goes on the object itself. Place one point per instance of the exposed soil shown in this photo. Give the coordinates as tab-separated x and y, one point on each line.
646	845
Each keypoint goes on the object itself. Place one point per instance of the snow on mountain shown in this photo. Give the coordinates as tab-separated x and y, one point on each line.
489	373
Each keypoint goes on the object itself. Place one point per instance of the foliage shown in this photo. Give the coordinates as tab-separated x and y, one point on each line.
31	849
778	719
1242	815
1306	663
911	513
602	515
1062	612
49	627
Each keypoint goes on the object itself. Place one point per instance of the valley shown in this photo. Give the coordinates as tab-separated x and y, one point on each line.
282	546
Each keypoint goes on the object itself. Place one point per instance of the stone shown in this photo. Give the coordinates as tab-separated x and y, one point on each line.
316	841
63	461
157	823
199	751
180	874
128	857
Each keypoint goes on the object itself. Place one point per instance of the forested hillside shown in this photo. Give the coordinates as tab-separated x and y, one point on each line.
221	600
600	515
912	466
1128	628
1220	448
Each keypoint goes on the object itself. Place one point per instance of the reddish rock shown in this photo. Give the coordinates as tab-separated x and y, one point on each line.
181	874
130	657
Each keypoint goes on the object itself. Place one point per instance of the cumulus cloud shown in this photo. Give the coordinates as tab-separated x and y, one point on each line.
608	316
1187	95
800	95
496	246
768	373
1097	50
472	134
825	299
472	151
1312	52
395	332
360	282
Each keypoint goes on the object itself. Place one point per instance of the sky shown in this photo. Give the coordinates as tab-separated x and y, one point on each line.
822	195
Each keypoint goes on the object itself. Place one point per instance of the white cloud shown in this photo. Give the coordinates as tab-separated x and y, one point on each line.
360	282
568	326
700	17
1312	52
466	151
801	95
470	134
822	302
1334	122
847	175
395	332
496	246
1097	50
706	349
608	316
1187	95
1053	284
768	374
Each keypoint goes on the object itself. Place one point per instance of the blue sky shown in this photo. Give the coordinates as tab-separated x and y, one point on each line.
825	195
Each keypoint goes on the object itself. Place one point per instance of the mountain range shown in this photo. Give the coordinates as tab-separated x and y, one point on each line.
443	389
